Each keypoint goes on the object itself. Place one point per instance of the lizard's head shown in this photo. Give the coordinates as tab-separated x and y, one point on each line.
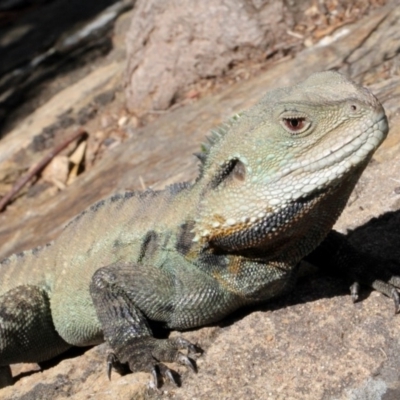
268	166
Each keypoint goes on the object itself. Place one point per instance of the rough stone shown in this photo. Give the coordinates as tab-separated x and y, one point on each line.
175	42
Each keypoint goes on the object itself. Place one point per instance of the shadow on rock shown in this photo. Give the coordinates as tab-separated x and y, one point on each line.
379	237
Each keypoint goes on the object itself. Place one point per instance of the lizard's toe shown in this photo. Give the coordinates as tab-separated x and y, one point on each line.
154	382
111	360
168	374
182	343
395	281
355	291
396	299
188	362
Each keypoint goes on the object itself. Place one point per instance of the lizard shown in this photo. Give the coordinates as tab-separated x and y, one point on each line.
272	182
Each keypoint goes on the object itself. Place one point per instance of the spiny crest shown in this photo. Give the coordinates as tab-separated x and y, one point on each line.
215	136
99	204
175	188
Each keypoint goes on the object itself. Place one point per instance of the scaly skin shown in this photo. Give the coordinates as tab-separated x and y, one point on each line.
272	183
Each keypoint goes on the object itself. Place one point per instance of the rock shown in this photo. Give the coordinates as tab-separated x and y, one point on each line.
176	43
45	40
193	40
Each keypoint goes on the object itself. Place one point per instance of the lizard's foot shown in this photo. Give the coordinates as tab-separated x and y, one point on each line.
148	354
389	287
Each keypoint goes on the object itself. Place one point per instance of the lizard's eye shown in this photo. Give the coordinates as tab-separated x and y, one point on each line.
294	124
233	170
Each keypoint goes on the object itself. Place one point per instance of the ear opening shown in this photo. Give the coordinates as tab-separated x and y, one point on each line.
233	169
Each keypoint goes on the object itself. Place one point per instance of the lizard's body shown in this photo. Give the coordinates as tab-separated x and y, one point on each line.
270	189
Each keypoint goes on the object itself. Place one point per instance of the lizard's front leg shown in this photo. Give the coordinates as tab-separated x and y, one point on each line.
124	296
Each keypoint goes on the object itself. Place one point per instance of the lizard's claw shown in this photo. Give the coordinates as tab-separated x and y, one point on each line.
114	363
188	362
111	360
166	373
355	291
396	299
154	383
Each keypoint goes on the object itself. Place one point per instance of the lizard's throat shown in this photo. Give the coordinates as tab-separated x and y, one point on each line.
276	229
314	214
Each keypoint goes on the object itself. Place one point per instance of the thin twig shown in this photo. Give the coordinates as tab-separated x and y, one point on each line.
37	168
